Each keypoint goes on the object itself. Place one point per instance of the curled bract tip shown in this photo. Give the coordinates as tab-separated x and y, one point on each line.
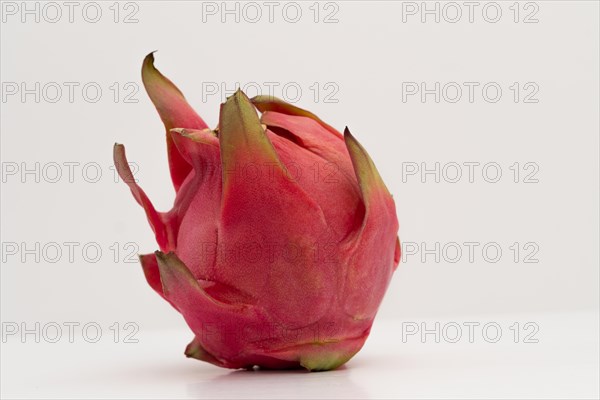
367	175
174	111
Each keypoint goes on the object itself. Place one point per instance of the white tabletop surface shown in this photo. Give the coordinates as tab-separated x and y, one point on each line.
562	364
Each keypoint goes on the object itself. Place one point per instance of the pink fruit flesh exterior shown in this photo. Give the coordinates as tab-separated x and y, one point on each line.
282	239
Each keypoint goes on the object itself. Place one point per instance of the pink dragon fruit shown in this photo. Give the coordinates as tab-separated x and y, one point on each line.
282	238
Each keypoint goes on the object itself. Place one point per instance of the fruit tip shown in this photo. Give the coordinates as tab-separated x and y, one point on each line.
150	56
236	96
148	64
348	136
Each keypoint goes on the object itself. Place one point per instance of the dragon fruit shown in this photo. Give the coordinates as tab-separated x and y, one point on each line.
282	239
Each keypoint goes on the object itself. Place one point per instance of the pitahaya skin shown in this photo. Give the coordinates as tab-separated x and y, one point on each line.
282	239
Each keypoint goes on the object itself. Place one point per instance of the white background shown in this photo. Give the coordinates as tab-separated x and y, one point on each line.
370	57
